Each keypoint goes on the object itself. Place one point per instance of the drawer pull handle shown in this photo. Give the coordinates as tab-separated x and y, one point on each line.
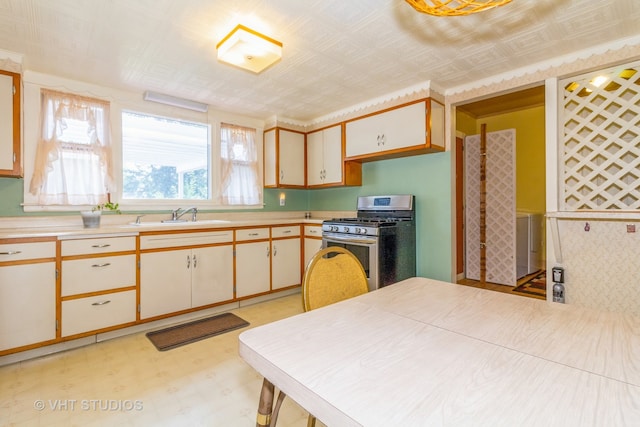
106	264
253	234
101	246
286	232
102	302
11	253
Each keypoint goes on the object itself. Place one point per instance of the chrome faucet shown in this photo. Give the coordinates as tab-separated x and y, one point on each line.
177	213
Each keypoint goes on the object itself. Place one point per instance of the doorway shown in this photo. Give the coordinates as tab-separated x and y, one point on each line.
522	110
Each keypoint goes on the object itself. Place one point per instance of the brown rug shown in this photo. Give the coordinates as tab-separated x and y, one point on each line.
535	285
176	336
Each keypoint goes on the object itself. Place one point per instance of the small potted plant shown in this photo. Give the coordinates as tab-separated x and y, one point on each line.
91	219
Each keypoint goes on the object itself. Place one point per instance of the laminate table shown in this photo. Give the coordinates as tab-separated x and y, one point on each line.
423	352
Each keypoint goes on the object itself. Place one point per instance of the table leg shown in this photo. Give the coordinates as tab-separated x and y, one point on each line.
265	406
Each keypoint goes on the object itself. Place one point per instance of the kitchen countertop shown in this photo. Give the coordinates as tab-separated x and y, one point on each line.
66	227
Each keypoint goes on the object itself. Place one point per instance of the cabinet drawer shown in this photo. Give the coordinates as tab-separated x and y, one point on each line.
81	276
102	311
312	231
252	234
22	251
98	245
185	239
290	231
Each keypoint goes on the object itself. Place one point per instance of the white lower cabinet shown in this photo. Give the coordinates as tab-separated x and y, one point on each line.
285	263
178	280
252	268
267	259
165	282
212	275
312	242
173	280
27	304
98	283
98	312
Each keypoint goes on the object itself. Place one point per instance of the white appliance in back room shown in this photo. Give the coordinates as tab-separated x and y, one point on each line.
528	243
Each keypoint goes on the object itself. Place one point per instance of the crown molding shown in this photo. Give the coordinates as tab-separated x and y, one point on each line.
575	62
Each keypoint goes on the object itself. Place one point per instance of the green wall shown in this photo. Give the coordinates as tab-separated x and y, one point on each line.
426	176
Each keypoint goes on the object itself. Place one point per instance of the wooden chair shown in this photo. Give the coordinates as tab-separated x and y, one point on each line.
332	275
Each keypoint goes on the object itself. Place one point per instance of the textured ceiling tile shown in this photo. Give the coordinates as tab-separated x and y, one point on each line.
336	53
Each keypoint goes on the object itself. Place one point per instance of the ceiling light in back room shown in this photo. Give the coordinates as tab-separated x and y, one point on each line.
249	49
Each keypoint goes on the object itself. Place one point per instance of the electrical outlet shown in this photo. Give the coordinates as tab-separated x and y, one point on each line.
631	228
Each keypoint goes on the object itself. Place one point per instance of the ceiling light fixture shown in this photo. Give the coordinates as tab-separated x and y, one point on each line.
175	101
454	7
249	49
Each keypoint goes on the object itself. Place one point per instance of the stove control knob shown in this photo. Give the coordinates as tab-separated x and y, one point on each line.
334	228
346	229
357	230
363	231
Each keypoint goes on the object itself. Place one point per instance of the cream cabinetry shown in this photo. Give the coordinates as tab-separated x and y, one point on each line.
284	158
325	164
324	156
185	270
312	242
10	144
253	261
410	129
27	292
98	284
267	259
285	257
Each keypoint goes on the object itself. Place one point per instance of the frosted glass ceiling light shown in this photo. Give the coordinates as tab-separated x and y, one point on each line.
454	7
249	49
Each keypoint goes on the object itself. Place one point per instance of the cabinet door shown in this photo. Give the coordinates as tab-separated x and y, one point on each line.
405	127
27	304
252	268
311	247
165	282
315	158
285	263
270	170
291	155
332	155
10	163
363	135
212	275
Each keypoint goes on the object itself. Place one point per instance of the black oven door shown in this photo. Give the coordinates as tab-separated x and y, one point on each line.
365	248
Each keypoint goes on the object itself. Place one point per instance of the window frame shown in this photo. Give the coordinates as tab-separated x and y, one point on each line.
130	102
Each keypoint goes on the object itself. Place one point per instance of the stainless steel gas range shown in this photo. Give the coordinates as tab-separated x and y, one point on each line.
382	237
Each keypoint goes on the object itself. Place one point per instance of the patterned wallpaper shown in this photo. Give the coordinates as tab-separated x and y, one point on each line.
601	264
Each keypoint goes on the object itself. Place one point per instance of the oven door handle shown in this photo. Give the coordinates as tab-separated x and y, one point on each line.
348	239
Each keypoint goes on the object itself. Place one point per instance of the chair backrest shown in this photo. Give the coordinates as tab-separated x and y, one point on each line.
333	274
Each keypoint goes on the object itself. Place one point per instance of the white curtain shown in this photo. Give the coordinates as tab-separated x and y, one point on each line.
73	164
241	183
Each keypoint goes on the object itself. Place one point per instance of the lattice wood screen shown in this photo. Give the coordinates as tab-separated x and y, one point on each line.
601	140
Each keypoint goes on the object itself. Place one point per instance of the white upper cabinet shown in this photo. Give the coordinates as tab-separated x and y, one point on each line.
10	163
396	132
284	152
324	156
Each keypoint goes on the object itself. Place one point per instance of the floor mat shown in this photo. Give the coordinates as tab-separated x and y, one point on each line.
176	336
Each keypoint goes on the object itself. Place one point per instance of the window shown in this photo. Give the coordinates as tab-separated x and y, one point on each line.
164	158
73	162
240	177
